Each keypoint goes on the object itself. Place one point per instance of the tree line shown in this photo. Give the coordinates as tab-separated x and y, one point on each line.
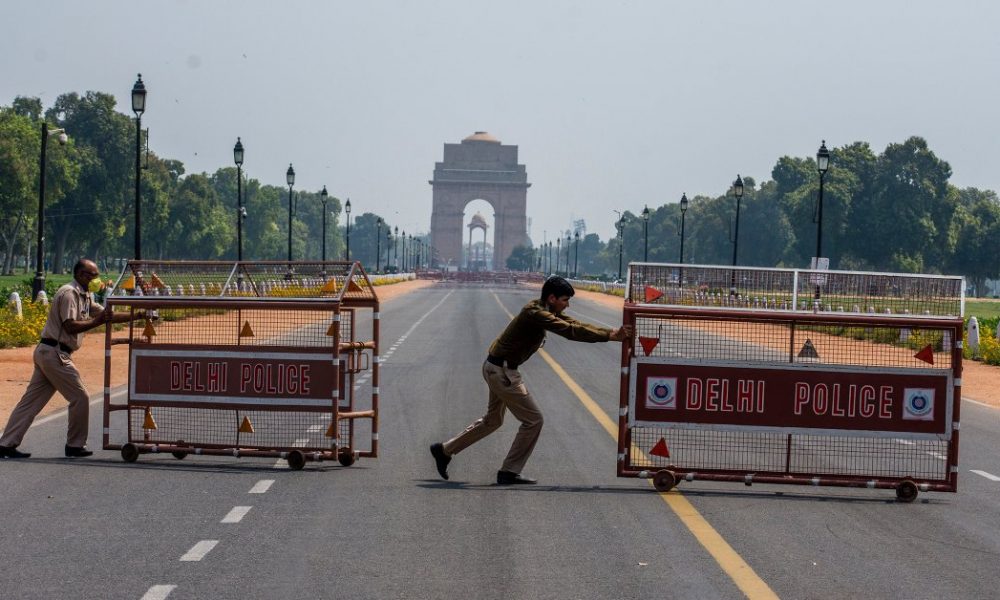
889	211
893	211
90	199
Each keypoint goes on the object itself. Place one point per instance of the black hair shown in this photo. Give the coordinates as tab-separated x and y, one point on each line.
558	286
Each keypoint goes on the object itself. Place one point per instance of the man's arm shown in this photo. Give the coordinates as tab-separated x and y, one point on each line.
102	316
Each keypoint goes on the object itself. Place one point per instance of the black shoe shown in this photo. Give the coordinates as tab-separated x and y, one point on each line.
74	452
12	452
442	459
511	478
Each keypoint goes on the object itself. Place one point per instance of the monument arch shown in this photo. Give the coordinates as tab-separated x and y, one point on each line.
478	168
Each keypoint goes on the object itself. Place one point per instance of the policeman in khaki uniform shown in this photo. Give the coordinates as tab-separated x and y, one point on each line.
72	312
522	338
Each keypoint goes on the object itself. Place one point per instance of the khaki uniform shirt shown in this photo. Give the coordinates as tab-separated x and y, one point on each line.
526	333
70	302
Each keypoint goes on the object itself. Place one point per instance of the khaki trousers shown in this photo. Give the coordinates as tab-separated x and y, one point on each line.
507	392
54	372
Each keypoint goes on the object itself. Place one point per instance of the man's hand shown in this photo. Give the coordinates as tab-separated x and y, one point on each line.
621	334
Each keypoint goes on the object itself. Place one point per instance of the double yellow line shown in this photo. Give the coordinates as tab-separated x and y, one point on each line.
729	560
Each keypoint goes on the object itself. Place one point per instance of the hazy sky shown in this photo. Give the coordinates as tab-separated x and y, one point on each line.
613	104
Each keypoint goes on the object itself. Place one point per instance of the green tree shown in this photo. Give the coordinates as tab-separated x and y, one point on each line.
522	258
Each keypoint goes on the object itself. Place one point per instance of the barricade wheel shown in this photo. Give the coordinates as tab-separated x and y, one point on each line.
180	454
906	491
296	460
130	453
346	458
664	481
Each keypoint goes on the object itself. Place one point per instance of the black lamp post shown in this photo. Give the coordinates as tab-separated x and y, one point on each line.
378	243
576	254
290	179
39	282
738	192
395	246
621	242
645	234
324	197
138	107
684	208
388	245
822	165
568	272
558	253
347	211
402	240
240	212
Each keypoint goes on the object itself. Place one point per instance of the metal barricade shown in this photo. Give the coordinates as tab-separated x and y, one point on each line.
750	383
244	359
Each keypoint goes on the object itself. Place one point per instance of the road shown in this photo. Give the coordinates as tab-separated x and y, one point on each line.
220	527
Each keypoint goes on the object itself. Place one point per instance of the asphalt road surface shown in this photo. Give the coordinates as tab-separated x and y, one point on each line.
222	527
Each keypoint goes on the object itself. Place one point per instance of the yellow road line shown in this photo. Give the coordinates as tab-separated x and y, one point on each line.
729	560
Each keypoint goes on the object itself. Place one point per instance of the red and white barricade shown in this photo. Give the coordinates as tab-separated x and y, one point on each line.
245	359
785	376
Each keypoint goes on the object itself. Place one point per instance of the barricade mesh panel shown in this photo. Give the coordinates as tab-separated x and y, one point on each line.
798	341
220	427
796	290
748	451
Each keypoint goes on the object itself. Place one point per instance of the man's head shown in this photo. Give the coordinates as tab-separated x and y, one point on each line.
84	270
556	293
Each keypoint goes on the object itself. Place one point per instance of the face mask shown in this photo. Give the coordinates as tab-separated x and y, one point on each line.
95	285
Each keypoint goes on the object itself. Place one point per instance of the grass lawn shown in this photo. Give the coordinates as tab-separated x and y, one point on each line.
982	309
7	281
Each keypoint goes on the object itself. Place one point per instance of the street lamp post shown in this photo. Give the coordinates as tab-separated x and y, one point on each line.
39	282
388	244
738	192
324	197
568	272
621	242
684	208
576	254
645	234
402	240
558	253
395	247
347	211
240	213
138	107
378	243
822	165
290	180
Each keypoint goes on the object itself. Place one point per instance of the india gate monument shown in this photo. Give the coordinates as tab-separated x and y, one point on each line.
479	168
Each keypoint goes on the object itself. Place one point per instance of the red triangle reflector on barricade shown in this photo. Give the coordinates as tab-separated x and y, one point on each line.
660	449
652	293
648	343
926	355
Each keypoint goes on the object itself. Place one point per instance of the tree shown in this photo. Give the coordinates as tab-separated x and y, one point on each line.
522	258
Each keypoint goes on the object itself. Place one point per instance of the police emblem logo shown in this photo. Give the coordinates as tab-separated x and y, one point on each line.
918	404
661	393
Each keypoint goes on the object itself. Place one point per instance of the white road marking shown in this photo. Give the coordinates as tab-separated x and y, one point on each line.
989	476
158	592
938	455
281	464
907	442
199	550
300	443
236	515
315	428
261	486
